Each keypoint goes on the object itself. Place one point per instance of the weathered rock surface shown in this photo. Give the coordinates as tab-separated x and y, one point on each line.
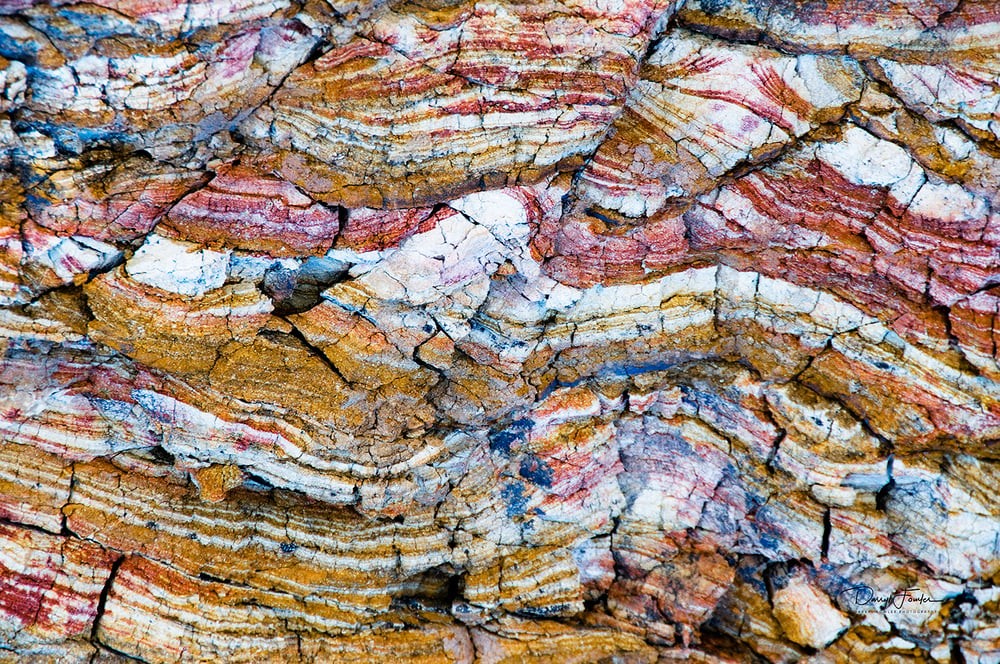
446	331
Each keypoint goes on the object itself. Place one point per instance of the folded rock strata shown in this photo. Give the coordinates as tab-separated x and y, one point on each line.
447	331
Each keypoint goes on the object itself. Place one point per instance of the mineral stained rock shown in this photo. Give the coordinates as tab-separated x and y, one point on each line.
643	331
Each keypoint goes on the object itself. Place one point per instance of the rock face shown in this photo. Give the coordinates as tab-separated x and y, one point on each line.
451	331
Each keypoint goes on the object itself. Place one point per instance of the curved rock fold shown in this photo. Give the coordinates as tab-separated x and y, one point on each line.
481	332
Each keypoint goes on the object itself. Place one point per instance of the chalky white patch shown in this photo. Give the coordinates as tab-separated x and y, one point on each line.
178	267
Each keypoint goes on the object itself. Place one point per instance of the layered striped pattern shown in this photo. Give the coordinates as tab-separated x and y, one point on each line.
478	332
413	111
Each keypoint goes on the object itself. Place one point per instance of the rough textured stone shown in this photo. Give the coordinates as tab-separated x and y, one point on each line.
479	332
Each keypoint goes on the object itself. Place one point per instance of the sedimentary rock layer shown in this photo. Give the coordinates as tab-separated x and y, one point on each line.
483	332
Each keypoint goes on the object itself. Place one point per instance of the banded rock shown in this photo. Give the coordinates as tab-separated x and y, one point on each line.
498	332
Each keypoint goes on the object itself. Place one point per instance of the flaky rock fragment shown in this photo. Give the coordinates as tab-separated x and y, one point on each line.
101	78
50	586
12	84
427	105
699	110
865	27
806	614
108	199
185	341
243	209
480	332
